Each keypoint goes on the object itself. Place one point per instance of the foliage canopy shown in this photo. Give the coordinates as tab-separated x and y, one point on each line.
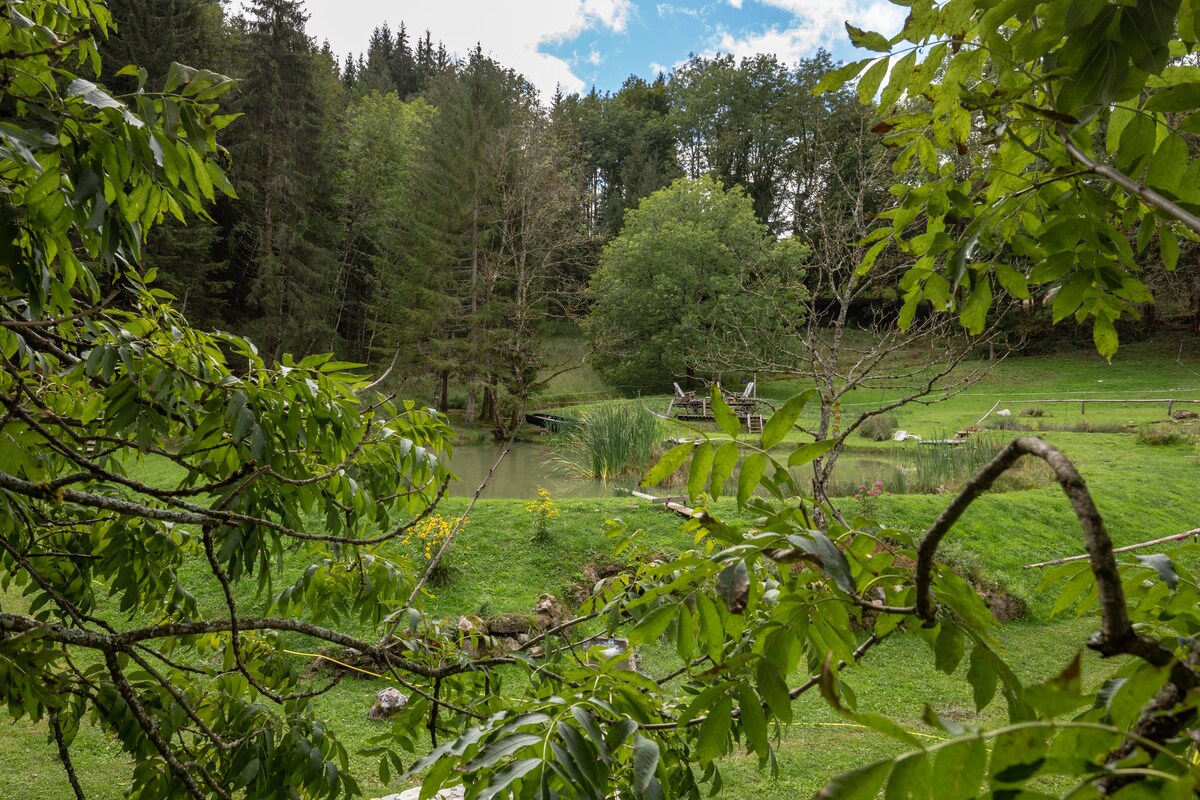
1027	119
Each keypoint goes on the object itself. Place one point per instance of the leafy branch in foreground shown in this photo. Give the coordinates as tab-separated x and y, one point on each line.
1056	150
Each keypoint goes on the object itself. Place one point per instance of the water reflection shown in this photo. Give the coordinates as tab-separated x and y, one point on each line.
526	468
530	466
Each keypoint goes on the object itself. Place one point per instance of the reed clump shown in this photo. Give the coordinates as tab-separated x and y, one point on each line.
610	441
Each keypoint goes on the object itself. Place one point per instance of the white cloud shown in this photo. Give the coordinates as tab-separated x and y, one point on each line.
735	3
667	9
512	31
595	59
656	68
817	23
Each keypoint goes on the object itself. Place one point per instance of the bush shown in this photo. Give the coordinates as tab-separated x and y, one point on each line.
879	428
1159	434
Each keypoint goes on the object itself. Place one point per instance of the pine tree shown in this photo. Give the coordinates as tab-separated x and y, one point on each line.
284	232
153	34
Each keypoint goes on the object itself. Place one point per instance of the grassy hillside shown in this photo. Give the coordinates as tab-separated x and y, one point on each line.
1143	490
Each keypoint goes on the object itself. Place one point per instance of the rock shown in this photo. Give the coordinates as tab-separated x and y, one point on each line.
1184	413
549	613
510	624
387	703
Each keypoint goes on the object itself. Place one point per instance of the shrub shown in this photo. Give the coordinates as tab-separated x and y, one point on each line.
426	539
878	428
543	512
1159	435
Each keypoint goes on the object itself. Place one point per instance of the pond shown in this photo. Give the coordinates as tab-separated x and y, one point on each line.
531	466
527	468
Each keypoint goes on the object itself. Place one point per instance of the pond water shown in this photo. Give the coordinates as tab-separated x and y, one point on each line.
531	466
527	468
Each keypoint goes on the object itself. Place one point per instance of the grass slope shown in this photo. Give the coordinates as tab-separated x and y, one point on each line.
1143	491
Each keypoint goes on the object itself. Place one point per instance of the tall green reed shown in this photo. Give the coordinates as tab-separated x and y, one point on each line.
610	440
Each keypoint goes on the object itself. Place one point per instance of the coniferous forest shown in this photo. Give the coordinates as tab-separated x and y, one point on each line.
411	199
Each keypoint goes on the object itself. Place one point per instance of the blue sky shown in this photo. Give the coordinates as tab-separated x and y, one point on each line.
576	44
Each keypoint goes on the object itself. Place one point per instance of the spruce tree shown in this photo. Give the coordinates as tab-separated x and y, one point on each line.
153	34
284	232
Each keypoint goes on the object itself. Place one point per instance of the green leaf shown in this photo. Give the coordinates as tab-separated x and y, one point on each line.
501	781
810	452
774	690
911	778
243	424
724	463
502	748
974	313
959	769
645	763
1164	566
714	731
868	39
1168	247
724	414
753	468
685	634
833	561
1168	164
1018	754
1180	97
868	84
712	632
1104	334
733	585
1070	295
982	677
857	784
1014	282
1146	29
754	722
667	465
1130	695
652	626
781	421
948	648
835	79
1137	143
702	461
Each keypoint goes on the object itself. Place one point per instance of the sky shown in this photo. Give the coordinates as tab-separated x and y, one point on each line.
578	44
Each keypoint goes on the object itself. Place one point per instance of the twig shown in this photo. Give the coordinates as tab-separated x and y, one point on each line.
64	755
1194	533
458	526
1141	191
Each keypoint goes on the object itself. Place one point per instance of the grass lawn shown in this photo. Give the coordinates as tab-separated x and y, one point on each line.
1144	491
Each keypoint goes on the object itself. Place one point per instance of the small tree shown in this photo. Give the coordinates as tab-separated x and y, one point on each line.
674	278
